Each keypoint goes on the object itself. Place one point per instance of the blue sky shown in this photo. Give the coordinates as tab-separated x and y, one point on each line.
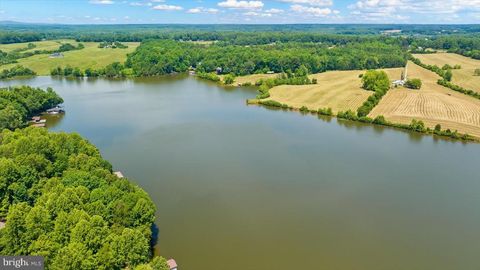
240	11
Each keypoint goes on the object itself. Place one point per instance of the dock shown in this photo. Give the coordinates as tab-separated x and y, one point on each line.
37	121
55	110
172	264
119	174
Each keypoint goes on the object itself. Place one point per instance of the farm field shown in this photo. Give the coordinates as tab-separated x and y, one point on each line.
252	78
463	77
433	104
40	45
89	57
339	90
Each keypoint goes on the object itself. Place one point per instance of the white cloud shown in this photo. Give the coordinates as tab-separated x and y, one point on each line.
313	11
257	14
241	4
167	7
384	10
274	11
318	3
101	2
202	10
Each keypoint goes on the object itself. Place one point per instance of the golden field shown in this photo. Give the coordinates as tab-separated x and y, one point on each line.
463	77
433	104
339	90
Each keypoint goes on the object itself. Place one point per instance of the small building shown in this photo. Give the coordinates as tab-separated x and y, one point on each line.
119	174
270	72
398	83
56	55
172	264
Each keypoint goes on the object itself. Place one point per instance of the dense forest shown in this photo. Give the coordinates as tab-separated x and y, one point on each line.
19	103
163	57
61	201
465	45
237	34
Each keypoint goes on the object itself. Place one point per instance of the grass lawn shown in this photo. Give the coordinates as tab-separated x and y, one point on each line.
89	57
339	90
433	104
463	77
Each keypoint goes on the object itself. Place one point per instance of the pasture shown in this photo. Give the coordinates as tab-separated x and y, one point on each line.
40	45
433	104
463	77
339	90
89	57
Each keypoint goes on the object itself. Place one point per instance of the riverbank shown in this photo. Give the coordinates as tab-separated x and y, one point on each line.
333	96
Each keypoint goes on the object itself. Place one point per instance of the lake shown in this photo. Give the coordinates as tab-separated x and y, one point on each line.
242	187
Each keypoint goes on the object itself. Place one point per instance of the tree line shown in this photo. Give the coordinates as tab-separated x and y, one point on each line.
166	56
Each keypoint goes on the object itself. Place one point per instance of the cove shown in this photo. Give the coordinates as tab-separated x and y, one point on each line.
245	187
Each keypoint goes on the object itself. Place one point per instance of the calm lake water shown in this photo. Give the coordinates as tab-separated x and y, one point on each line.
244	188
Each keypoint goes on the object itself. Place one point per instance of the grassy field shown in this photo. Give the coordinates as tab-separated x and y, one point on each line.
89	57
252	78
339	90
41	45
433	104
462	77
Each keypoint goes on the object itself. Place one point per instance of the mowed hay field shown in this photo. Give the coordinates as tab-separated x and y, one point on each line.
463	77
89	57
339	90
433	104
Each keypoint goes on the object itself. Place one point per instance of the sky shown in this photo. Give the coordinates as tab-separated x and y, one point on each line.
241	11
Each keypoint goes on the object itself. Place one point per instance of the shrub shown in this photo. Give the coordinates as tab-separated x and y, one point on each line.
446	67
271	103
325	111
448	75
208	76
477	72
373	80
418	126
413	83
229	79
380	120
304	109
